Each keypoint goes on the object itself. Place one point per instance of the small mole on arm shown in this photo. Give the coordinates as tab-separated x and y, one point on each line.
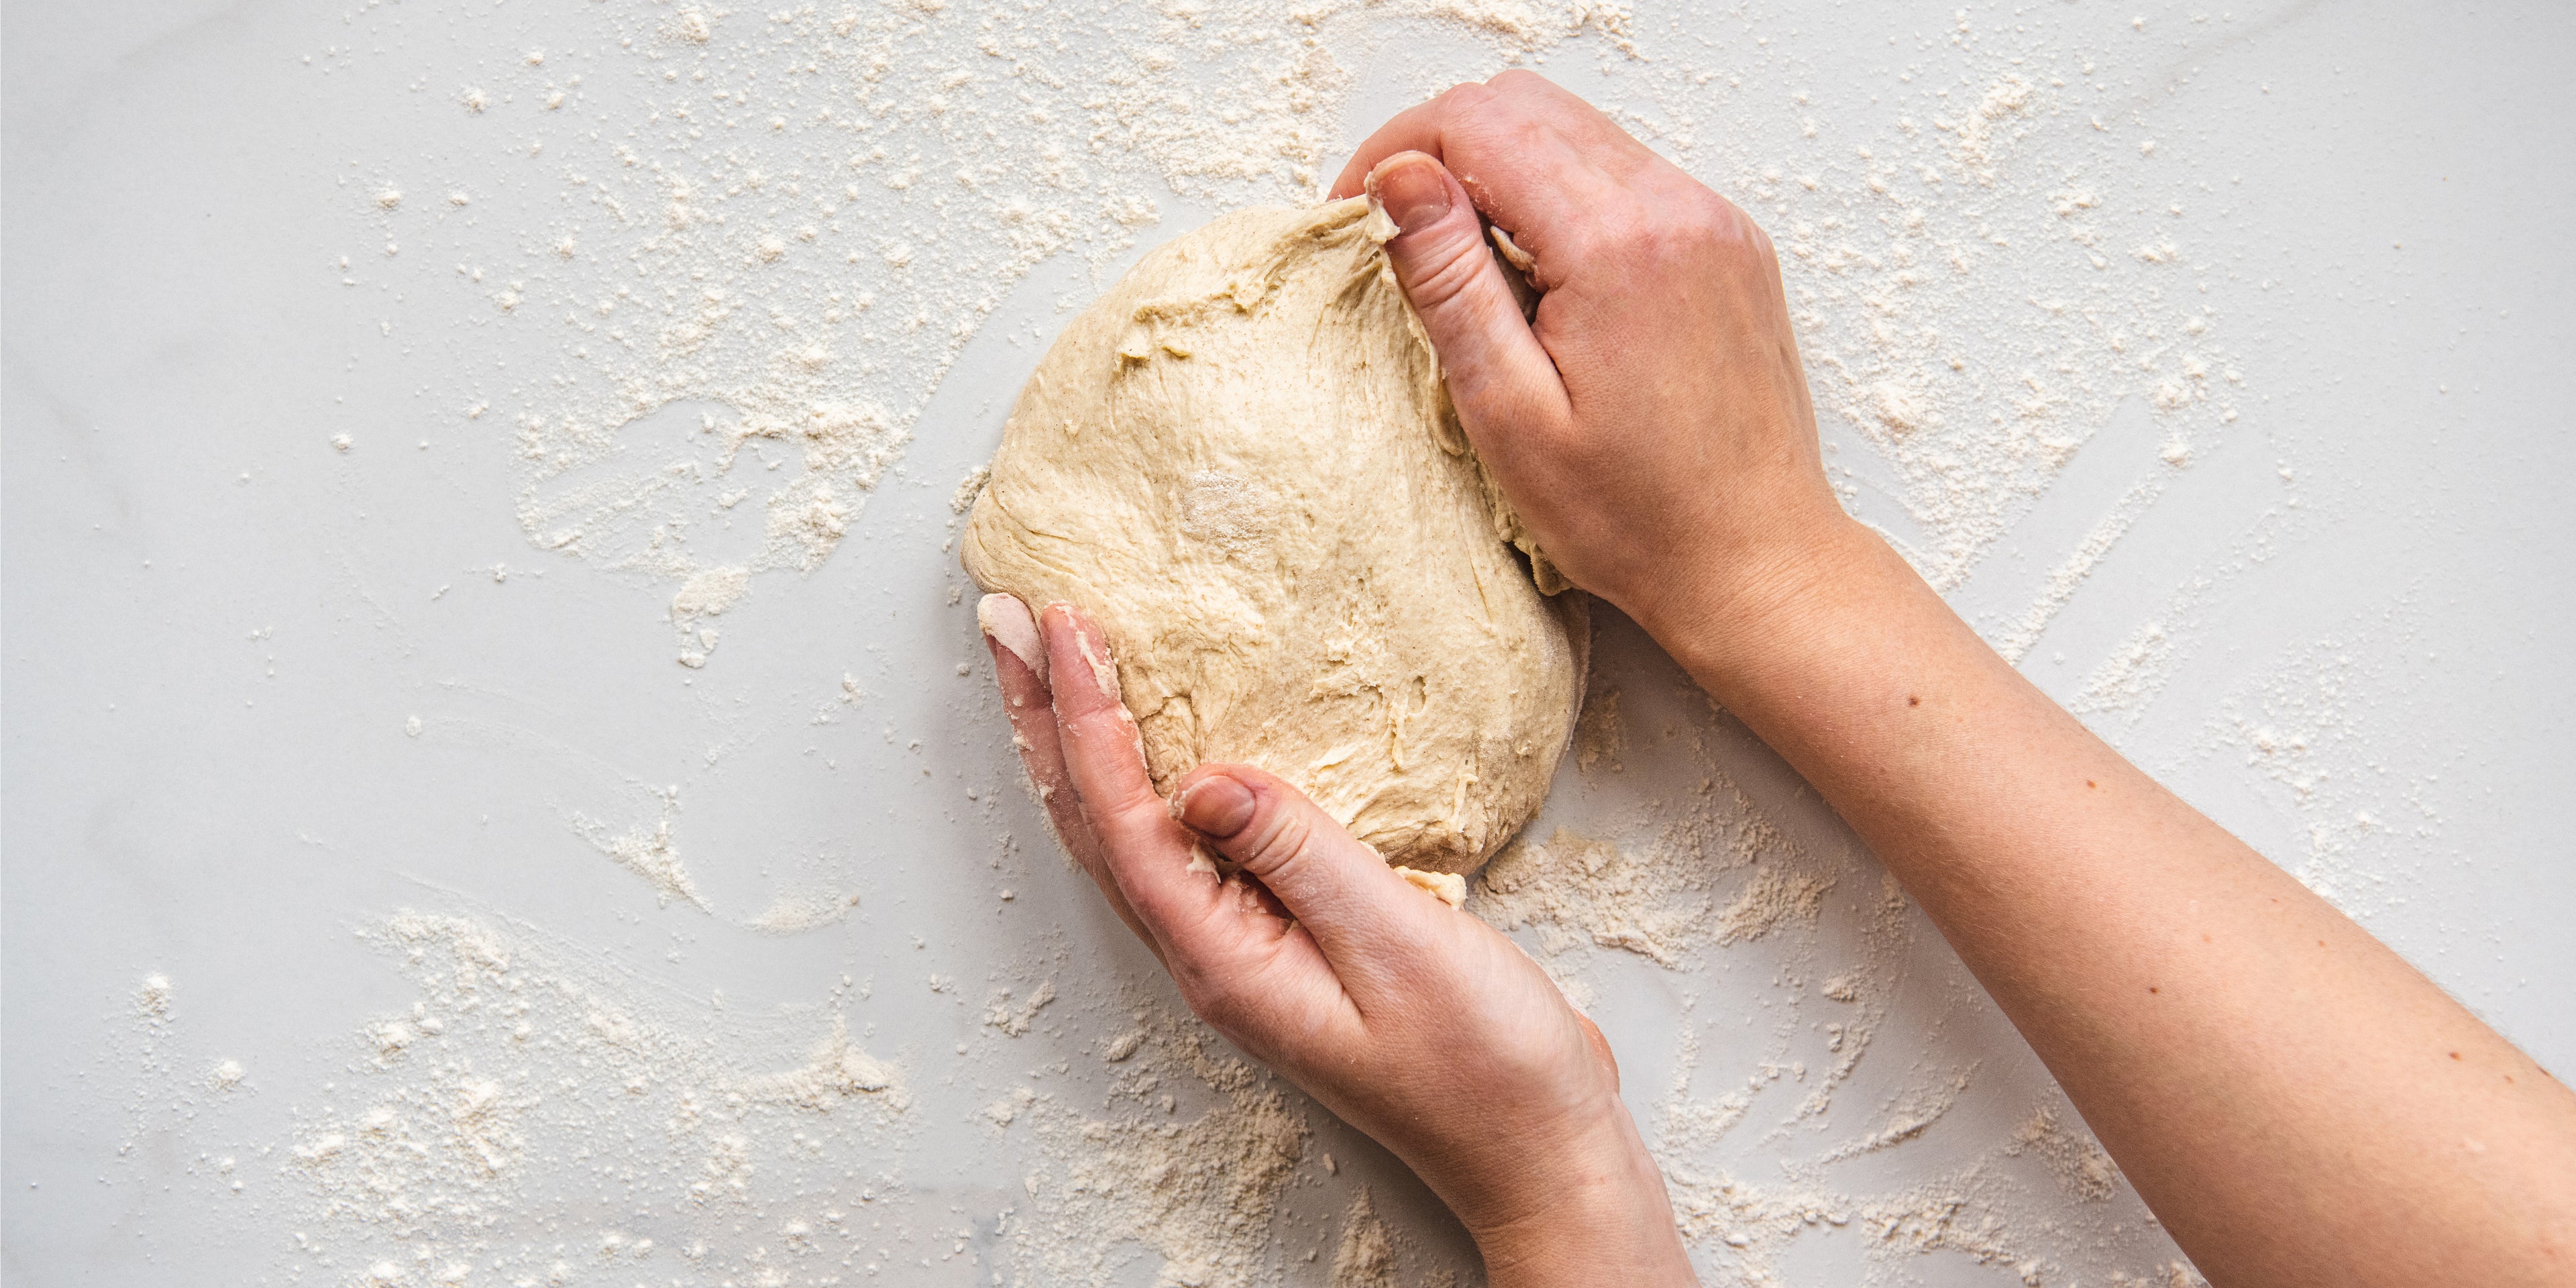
2090	783
1913	701
2455	1055
2153	989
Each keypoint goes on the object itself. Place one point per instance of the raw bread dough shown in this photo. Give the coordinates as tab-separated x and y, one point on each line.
1241	461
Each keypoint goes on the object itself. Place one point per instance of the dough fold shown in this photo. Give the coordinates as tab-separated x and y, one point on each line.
1242	462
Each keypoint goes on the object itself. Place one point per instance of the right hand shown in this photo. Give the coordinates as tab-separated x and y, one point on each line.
1651	424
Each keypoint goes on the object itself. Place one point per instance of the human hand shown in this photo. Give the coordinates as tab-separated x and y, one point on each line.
1651	423
1416	1023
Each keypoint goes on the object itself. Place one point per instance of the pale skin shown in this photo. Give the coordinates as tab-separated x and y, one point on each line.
2296	1103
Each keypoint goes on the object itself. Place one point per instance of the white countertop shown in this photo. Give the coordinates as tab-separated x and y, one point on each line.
266	695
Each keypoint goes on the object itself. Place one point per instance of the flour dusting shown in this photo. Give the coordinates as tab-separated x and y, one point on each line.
1198	1193
755	243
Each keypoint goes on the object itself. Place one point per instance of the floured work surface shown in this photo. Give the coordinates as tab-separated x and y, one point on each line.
503	780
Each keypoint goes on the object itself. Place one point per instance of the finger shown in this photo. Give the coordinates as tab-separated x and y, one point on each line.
1500	377
1148	854
1368	921
1019	663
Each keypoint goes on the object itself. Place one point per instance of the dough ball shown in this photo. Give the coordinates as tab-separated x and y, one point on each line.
1242	463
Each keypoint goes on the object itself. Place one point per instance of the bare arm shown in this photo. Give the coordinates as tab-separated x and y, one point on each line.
2297	1104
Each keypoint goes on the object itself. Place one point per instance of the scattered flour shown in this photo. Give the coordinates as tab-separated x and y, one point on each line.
441	1155
1000	1014
754	243
1200	1193
1575	889
2077	1160
1772	898
790	914
2067	577
1659	905
1366	1257
646	850
1943	272
2130	679
2325	730
1598	734
705	594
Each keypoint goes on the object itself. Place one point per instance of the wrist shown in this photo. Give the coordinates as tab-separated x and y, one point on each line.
1721	614
1598	1214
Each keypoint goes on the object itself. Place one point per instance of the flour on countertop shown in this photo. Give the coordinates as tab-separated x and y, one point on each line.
1366	1257
791	913
771	234
1199	1190
2077	1159
439	1156
2323	729
1598	735
1772	898
646	850
1659	904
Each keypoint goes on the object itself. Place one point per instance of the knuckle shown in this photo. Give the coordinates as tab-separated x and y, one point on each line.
1466	98
1279	836
1443	273
1693	229
1740	228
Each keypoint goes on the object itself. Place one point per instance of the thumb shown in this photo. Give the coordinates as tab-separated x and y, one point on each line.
1360	912
1500	377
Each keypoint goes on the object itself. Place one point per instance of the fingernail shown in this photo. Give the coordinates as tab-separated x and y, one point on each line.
1007	621
1215	806
1411	188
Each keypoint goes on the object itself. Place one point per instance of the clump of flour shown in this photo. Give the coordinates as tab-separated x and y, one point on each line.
1366	1256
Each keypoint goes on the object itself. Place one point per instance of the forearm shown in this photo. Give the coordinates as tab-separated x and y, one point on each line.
2296	1102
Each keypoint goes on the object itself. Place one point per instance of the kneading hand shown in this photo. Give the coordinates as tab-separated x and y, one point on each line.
2296	1103
1651	422
1414	1022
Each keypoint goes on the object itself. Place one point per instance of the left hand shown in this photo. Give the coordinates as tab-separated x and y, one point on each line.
1414	1022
